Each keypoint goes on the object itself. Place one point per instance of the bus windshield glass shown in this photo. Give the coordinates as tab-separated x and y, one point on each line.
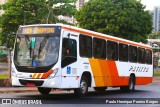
37	50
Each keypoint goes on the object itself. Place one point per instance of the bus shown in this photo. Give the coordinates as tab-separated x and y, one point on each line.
58	56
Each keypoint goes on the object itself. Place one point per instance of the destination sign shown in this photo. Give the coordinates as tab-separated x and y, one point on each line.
38	30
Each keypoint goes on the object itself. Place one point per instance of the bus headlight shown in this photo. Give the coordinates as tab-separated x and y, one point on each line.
53	73
14	73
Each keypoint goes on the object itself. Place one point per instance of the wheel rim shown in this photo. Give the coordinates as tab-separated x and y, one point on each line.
131	84
83	86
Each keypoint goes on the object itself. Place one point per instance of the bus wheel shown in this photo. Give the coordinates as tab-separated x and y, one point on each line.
83	89
102	89
44	91
131	85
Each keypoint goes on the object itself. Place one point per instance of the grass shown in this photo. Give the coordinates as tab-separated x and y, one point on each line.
156	73
4	76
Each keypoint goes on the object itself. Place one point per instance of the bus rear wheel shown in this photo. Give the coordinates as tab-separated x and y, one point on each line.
83	89
131	85
44	91
101	89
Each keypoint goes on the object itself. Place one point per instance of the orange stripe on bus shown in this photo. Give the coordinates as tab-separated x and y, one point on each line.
143	80
34	75
113	68
104	69
38	76
108	38
45	75
108	78
106	73
97	72
113	71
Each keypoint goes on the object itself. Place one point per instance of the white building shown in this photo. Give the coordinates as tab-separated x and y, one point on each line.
80	3
2	2
156	19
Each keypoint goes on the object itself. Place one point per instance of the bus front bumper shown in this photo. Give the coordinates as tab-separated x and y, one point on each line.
49	83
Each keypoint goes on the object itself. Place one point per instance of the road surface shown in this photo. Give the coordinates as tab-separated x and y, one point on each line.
93	99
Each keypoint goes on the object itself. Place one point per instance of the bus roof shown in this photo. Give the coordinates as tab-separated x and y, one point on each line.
95	34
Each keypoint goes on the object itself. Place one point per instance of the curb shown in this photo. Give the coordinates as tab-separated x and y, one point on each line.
18	89
22	90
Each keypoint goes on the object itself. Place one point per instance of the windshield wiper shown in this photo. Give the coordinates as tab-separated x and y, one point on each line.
28	44
42	45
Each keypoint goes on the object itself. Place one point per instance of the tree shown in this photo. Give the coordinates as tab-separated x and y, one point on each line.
23	12
154	35
122	18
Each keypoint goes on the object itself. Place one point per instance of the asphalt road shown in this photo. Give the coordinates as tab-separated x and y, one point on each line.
149	92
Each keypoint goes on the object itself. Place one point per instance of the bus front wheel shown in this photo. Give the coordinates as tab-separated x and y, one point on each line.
83	89
44	91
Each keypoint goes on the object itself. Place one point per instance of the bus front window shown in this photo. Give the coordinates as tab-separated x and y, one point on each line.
38	51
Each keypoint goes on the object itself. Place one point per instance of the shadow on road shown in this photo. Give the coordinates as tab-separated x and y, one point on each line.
91	94
93	97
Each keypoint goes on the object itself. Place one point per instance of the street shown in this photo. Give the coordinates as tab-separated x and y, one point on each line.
64	98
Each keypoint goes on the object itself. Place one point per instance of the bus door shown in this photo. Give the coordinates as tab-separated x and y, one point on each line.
69	60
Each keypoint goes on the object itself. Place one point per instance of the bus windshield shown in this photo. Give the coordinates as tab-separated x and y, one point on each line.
36	50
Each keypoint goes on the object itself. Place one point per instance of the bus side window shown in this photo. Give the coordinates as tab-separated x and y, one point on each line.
99	48
123	52
141	55
85	46
112	50
132	54
69	51
148	56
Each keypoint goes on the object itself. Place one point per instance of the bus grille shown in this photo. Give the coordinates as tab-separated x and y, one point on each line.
25	82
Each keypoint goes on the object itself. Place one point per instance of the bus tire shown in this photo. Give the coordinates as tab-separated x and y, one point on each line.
101	89
83	89
44	91
131	85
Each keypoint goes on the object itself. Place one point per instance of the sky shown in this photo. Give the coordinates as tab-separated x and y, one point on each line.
150	4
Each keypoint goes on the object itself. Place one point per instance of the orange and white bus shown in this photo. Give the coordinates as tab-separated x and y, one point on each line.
57	56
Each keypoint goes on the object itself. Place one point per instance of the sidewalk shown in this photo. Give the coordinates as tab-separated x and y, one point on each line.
156	80
18	89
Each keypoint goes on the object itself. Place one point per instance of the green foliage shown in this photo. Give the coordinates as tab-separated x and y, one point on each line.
122	18
154	35
156	73
20	12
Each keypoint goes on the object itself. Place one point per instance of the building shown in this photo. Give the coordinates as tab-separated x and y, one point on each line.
156	19
2	2
80	3
67	18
